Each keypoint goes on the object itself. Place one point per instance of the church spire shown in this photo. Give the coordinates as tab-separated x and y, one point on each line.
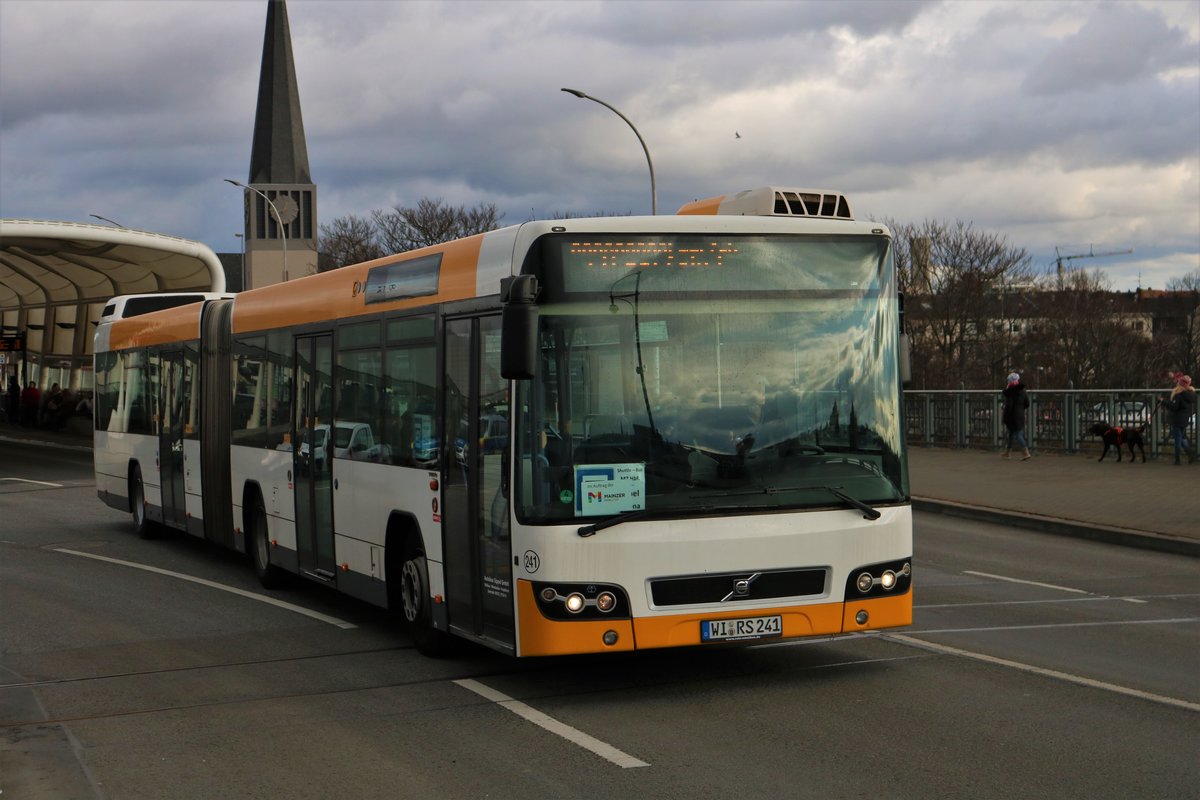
281	199
279	153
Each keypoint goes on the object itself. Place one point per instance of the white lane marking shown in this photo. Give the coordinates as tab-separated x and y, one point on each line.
1046	585
574	735
1056	601
214	585
1049	673
1111	623
39	483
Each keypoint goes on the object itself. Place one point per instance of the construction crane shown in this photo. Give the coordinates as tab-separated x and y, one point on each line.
1091	253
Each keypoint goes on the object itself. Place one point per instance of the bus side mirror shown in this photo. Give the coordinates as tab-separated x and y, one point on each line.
905	362
518	327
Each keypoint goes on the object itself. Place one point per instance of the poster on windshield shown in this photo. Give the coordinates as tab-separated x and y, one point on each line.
609	488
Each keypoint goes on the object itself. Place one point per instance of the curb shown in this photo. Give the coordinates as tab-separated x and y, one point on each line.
1145	540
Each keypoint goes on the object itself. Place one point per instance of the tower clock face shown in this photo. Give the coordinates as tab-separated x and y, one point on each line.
286	208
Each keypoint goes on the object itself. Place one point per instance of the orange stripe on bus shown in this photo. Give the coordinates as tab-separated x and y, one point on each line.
823	619
706	206
337	294
544	637
882	612
180	324
547	637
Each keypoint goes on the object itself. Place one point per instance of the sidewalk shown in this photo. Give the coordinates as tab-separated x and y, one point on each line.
1154	505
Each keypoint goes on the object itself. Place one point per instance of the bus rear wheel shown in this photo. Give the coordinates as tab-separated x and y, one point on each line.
415	610
269	575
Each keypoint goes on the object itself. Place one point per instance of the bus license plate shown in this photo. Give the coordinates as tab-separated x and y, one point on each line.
725	630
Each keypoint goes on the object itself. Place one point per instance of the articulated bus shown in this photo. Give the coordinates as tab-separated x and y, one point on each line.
569	436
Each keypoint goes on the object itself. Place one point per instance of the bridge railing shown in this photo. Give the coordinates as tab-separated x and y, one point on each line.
1057	419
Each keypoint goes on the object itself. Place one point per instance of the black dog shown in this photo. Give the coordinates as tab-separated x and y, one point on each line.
1115	437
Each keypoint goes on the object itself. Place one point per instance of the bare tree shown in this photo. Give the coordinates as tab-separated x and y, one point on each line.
1182	339
432	222
1083	337
348	240
955	279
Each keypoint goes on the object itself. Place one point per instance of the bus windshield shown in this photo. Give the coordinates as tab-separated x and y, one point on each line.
684	374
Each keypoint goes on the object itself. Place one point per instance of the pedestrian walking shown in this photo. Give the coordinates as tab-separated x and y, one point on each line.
1016	401
1181	408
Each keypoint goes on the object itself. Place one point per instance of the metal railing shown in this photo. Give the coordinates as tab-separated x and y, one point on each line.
1057	419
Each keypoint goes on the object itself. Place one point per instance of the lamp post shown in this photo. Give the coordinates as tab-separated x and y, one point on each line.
278	219
242	237
109	221
653	190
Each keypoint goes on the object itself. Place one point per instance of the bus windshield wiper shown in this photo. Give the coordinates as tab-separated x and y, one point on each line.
868	511
628	516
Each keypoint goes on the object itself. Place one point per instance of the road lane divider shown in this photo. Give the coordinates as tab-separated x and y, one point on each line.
36	483
1043	671
1047	585
338	623
546	722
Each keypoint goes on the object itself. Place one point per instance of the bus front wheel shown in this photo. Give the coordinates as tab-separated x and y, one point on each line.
416	612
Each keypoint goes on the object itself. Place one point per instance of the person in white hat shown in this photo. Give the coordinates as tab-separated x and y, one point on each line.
1015	402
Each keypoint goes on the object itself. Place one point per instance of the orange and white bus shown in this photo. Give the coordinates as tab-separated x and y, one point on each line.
568	436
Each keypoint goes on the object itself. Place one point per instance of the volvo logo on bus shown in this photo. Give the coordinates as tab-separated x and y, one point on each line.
741	587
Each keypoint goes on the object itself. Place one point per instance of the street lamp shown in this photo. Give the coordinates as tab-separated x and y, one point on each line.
109	221
278	219
242	236
653	190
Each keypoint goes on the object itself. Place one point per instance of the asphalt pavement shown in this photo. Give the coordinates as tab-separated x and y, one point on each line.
1153	505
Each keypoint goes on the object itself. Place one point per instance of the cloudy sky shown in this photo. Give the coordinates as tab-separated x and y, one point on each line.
1069	125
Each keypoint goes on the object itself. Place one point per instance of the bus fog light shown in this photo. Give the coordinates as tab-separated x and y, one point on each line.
575	602
610	638
606	601
549	595
888	580
865	582
861	617
906	569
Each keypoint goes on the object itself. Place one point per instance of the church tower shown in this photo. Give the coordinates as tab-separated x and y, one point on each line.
279	169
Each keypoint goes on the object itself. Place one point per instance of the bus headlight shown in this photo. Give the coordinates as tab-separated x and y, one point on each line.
563	601
889	578
606	601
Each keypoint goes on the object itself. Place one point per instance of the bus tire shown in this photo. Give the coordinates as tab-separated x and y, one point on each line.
416	613
269	575
142	526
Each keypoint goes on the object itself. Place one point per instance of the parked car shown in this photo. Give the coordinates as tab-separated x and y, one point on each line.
356	441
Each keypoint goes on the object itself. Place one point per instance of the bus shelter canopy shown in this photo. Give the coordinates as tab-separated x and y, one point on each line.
55	278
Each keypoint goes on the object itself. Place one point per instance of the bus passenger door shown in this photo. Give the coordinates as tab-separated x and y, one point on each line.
312	455
170	439
477	547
